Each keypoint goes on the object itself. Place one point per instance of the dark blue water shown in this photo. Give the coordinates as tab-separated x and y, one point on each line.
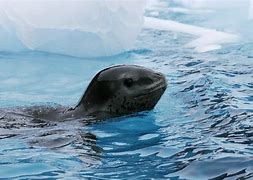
202	128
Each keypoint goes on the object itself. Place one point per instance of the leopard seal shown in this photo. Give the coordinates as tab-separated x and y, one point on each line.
114	91
122	90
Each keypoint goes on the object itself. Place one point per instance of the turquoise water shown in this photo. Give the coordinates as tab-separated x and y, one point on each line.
200	129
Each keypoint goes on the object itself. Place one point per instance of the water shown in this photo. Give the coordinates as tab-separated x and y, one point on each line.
200	129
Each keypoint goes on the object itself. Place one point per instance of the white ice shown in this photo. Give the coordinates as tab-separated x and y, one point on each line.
227	20
96	28
77	28
211	4
251	9
208	39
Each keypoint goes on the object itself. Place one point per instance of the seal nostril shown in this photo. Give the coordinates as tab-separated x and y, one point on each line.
160	75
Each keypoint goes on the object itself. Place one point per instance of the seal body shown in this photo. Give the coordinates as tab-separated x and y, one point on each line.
115	91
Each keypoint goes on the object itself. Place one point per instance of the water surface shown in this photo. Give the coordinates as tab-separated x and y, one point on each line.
200	129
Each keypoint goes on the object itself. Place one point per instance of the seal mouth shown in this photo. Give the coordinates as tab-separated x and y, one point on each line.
151	92
157	88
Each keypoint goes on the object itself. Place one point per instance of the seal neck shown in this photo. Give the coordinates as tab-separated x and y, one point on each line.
82	111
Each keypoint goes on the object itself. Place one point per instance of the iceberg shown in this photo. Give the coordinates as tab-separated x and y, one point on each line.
76	28
96	28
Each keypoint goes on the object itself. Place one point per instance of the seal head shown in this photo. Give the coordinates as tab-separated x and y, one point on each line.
122	90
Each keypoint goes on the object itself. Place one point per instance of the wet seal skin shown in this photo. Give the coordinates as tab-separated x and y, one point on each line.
115	91
121	90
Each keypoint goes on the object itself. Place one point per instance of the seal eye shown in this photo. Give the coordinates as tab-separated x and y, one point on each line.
128	82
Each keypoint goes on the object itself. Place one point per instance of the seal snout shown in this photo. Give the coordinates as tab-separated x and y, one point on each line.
160	82
155	88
